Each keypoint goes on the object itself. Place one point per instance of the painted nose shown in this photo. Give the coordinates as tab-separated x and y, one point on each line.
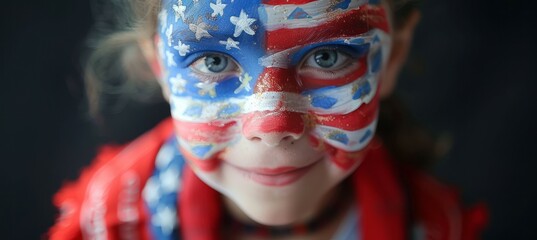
273	128
276	118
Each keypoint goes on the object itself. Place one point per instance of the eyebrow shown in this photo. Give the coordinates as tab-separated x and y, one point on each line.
348	24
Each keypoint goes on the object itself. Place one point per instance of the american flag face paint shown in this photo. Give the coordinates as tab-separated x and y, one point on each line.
238	69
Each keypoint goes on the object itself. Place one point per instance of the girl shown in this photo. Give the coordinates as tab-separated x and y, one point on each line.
274	108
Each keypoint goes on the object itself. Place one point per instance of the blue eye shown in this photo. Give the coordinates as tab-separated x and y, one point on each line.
214	64
326	59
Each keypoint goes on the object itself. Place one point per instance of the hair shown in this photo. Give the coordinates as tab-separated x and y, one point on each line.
118	79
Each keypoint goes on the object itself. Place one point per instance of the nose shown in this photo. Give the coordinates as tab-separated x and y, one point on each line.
273	128
276	118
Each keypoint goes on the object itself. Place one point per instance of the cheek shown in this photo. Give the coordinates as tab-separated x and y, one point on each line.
345	137
202	143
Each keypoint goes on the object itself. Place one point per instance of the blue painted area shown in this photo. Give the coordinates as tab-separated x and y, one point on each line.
193	111
376	61
355	49
323	102
298	13
201	150
366	136
229	111
362	91
340	137
220	28
357	41
343	4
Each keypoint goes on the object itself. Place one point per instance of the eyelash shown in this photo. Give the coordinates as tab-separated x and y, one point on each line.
214	77
350	64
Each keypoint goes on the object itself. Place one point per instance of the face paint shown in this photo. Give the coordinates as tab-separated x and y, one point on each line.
302	72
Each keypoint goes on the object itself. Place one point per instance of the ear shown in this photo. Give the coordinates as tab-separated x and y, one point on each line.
402	40
151	55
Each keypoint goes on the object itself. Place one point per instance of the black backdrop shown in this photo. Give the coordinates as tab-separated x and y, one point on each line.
471	76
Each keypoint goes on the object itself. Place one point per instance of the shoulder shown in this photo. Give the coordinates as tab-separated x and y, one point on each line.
105	200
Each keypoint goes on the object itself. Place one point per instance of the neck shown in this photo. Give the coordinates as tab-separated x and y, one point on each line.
321	221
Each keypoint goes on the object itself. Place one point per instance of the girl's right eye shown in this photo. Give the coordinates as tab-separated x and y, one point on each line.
215	65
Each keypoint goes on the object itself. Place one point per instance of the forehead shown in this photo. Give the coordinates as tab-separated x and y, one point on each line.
270	25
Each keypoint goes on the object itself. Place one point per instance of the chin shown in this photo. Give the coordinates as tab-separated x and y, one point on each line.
275	214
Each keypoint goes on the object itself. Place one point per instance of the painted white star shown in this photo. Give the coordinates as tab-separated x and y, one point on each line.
217	8
165	155
151	191
242	23
166	218
207	87
245	83
199	30
170	60
169	33
178	84
230	44
169	180
179	10
183	49
163	18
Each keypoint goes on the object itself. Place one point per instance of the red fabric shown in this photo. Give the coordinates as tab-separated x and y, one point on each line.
379	197
119	174
112	169
199	209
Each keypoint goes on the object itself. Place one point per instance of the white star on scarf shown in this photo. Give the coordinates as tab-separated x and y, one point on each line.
169	180
230	44
169	33
242	23
199	30
217	8
179	10
207	87
151	191
166	218
169	58
178	84
183	49
245	83
165	155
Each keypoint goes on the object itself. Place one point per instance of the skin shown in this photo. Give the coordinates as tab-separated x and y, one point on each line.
275	138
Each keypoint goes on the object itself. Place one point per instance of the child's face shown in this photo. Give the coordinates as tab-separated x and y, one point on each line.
274	105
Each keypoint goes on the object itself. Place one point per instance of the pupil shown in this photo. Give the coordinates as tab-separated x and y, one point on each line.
326	58
216	63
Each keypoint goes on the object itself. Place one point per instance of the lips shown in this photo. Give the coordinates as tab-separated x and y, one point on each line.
275	177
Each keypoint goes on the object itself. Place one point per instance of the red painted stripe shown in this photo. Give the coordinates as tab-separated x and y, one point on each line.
257	123
311	81
359	118
203	164
211	132
277	80
349	24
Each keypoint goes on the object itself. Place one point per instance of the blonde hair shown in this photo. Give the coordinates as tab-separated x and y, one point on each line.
116	71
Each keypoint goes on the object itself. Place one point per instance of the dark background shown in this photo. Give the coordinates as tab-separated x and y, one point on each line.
471	76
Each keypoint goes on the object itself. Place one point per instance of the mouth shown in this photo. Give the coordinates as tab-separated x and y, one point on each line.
275	177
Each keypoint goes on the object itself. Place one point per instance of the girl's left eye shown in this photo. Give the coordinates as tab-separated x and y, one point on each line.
326	59
215	64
